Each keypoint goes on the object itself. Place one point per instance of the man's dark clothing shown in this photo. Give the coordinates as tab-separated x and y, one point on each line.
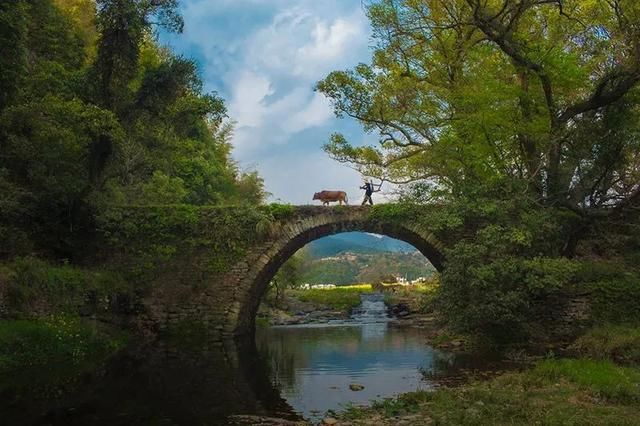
368	190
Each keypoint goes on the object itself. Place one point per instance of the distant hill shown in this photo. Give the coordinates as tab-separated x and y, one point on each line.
350	267
357	242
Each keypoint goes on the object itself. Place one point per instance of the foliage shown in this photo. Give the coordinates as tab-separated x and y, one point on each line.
94	114
478	91
55	340
616	343
614	291
394	212
287	277
145	239
280	211
13	212
13	23
506	257
32	283
341	298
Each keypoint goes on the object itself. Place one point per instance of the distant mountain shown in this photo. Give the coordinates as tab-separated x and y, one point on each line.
353	268
357	242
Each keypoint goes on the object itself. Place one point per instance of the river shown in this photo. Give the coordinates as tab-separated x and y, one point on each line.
290	372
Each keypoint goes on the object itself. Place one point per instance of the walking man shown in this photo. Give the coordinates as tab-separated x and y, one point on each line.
368	190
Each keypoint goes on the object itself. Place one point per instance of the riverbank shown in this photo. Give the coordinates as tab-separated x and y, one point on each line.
312	305
596	382
601	386
58	314
324	305
304	306
564	391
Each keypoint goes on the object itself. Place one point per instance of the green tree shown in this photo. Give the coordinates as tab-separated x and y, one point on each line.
469	91
519	117
46	148
13	31
94	114
288	276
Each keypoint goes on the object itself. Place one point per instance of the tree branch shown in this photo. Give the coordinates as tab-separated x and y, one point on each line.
609	90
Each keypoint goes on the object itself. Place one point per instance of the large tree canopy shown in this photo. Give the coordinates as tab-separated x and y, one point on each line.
475	91
93	113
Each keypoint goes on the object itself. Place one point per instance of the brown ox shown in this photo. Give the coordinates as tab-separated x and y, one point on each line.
331	196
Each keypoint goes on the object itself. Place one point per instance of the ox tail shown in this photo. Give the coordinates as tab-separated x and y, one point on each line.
346	199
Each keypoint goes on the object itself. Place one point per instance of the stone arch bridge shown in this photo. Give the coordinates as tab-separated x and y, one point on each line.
228	303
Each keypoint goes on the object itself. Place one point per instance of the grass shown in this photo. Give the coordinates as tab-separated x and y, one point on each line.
32	343
339	298
555	392
346	297
416	295
618	343
602	379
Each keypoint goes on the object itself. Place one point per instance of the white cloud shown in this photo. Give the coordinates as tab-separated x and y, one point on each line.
264	57
316	113
330	43
302	44
247	105
271	83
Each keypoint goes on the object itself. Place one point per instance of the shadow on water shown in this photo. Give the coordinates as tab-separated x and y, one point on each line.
156	384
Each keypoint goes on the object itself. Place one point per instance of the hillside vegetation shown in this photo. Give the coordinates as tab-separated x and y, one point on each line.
94	113
95	116
348	268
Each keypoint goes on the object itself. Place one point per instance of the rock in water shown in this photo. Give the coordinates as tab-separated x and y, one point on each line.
356	387
329	421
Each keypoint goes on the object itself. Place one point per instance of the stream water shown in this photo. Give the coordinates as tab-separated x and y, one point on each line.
289	372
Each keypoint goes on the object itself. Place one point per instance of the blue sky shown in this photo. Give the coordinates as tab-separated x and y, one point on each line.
264	57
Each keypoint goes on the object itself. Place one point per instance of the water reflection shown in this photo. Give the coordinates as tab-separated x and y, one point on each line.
159	384
313	367
290	372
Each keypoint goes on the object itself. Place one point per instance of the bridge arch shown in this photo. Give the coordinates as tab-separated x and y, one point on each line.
300	230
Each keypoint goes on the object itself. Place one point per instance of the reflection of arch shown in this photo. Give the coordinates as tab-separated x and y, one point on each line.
195	384
295	234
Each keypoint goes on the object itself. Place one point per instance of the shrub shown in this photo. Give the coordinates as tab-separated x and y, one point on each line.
341	298
60	287
280	211
57	339
616	343
505	258
496	297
